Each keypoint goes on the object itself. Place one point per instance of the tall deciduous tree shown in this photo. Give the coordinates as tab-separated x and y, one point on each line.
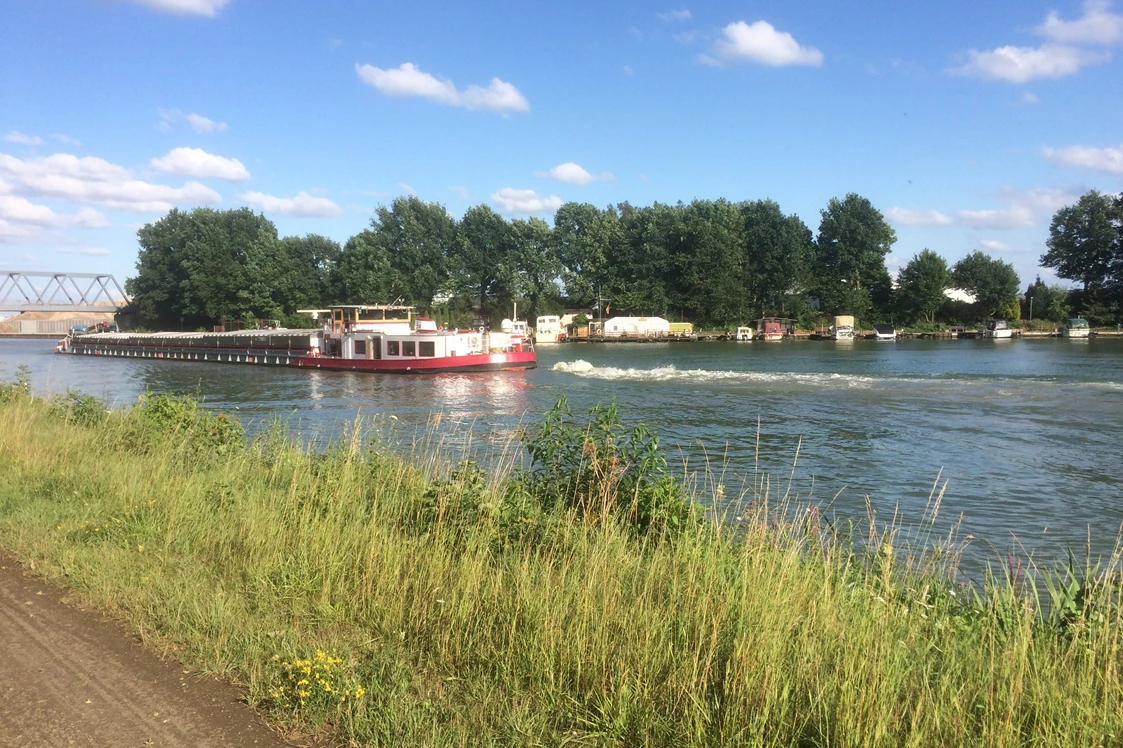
853	240
921	285
480	256
585	237
313	259
210	266
1086	242
363	273
778	254
709	263
533	267
418	238
993	282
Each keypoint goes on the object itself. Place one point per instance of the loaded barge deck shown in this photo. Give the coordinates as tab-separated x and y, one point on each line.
354	338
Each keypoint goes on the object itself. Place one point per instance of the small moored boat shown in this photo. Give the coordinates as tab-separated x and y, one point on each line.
1076	327
998	328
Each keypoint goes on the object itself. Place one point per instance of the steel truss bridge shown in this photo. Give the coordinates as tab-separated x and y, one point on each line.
61	292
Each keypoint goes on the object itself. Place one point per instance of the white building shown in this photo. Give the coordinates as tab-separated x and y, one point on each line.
636	326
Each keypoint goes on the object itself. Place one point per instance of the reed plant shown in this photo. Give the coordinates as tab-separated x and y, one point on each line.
381	596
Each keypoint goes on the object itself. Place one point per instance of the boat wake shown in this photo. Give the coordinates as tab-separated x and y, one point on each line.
582	368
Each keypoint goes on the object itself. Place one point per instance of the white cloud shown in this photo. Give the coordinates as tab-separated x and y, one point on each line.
1030	98
21	210
524	202
1107	160
18	137
1024	64
303	205
406	188
88	251
461	190
94	180
675	15
195	162
186	7
1014	217
760	42
197	122
20	233
918	217
571	173
628	70
686	37
1041	200
1098	26
409	80
994	246
66	139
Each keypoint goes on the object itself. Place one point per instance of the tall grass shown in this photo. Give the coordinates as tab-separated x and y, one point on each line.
448	607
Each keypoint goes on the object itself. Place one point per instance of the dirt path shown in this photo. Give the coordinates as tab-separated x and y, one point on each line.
72	678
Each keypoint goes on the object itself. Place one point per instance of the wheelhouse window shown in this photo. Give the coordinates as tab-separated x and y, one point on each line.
427	348
392	348
361	347
409	348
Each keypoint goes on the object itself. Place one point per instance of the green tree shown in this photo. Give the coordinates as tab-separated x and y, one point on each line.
853	240
480	256
921	284
210	266
993	282
534	267
1085	242
313	259
363	273
709	261
641	262
778	255
1046	302
585	237
418	237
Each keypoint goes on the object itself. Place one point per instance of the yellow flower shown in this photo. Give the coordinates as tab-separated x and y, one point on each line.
140	549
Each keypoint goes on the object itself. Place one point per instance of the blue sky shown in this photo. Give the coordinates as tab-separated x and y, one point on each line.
967	124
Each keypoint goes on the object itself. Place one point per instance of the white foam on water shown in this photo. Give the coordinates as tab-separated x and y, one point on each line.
583	368
995	386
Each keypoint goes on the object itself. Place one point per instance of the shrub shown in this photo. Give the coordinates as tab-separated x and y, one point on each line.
600	468
19	389
198	430
79	408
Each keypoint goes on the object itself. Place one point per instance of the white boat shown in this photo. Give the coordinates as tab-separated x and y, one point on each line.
743	334
885	332
998	328
548	329
843	328
1076	327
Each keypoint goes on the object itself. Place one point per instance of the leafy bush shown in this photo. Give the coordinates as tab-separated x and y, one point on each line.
600	468
79	408
21	388
198	430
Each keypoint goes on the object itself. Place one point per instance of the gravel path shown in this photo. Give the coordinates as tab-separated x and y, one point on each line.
72	678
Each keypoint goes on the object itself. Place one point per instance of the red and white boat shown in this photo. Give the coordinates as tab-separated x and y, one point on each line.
376	338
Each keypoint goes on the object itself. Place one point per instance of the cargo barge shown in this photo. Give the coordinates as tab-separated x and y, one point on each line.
373	338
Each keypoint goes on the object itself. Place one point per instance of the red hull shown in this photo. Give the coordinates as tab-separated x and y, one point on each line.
479	362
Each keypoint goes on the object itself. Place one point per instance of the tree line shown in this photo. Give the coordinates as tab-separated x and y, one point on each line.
713	262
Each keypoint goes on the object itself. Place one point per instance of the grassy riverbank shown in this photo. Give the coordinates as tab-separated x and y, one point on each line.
380	598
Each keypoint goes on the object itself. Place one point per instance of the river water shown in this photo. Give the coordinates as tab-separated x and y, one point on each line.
1025	433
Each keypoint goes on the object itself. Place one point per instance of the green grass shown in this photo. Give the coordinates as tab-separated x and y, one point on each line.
464	609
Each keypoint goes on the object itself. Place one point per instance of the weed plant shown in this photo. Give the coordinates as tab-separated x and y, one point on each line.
376	596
